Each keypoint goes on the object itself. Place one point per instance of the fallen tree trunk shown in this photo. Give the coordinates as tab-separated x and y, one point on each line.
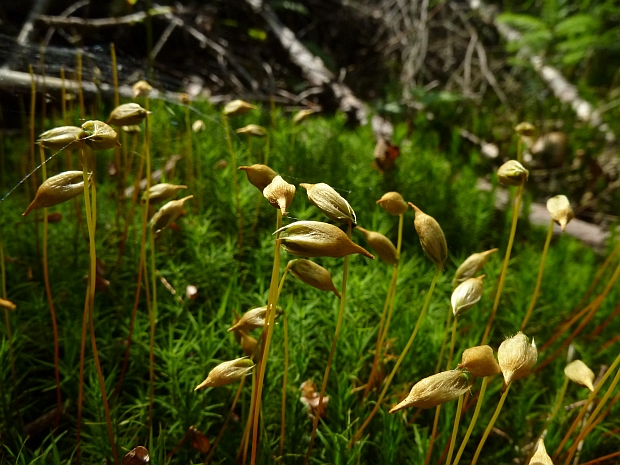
561	88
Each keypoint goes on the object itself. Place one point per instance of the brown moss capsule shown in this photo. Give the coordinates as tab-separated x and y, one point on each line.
98	135
516	356
512	173
238	107
313	275
578	372
134	129
198	126
435	390
381	245
252	130
560	210
540	457
330	202
137	456
431	236
303	115
127	114
227	372
7	304
279	193
466	295
525	129
63	137
393	203
141	89
168	214
471	266
248	343
259	176
162	191
57	189
479	361
317	239
252	319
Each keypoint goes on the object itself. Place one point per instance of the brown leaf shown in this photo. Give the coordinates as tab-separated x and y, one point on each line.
137	456
199	441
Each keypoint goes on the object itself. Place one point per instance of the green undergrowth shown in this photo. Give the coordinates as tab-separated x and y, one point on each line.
192	337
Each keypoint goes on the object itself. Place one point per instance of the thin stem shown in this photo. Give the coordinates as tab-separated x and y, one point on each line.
540	276
400	358
433	434
271	311
586	429
243	447
332	351
152	321
228	417
452	342
260	194
502	277
50	300
455	428
236	182
79	80
81	382
490	425
285	376
389	303
472	423
443	342
90	220
519	149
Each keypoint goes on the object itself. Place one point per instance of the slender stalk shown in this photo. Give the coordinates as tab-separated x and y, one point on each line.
343	293
79	80
260	194
452	343
519	149
91	223
9	332
117	150
33	178
50	300
490	425
114	74
540	276
502	277
429	452
189	152
81	381
384	326
63	96
152	321
586	428
472	423
271	312
444	341
228	417
455	428
236	182
400	358
243	448
285	375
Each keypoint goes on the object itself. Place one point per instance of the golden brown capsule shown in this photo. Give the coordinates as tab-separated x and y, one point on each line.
63	137
560	210
237	107
512	173
466	295
313	275
134	129
471	266
57	189
303	115
168	214
330	202
516	356
259	176
162	191
431	236
198	126
393	203
7	304
252	319
381	245
141	89
98	135
127	114
525	129
479	361
317	239
578	372
227	372
435	390
279	193
540	457
252	130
